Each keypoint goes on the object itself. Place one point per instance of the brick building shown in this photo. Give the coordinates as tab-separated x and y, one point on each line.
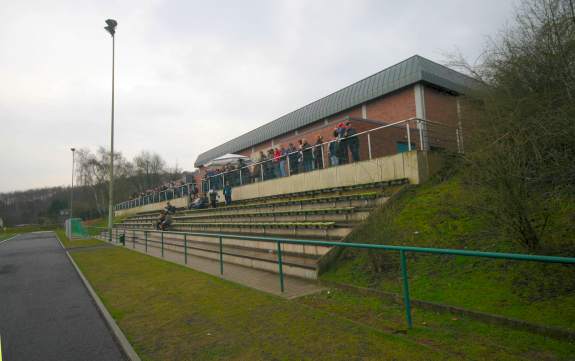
415	88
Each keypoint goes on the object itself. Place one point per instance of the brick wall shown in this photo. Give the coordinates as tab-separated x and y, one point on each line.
400	105
441	107
393	107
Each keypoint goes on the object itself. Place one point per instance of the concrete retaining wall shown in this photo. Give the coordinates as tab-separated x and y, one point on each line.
416	166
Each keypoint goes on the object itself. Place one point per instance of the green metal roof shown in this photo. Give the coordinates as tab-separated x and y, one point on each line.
410	71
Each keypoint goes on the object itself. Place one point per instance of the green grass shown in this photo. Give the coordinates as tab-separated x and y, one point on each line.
10	231
455	336
77	243
5	235
438	214
170	312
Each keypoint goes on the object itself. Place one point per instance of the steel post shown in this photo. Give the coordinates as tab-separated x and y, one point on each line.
162	233
369	144
185	249
406	299
221	256
280	266
408	136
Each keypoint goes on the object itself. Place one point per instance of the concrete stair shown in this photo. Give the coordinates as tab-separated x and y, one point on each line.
328	214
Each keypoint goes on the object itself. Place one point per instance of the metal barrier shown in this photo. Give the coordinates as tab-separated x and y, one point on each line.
156	197
403	250
409	134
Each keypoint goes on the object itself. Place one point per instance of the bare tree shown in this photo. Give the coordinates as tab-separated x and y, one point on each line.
521	122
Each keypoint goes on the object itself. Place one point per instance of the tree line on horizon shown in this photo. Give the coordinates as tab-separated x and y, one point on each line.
51	205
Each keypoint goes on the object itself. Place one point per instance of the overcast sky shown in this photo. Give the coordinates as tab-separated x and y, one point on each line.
194	74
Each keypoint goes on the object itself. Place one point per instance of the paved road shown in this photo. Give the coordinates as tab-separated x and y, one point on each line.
46	313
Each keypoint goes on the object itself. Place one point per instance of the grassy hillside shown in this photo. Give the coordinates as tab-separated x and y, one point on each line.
442	214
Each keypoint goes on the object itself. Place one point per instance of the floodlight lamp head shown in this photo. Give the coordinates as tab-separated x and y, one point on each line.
72	149
111	28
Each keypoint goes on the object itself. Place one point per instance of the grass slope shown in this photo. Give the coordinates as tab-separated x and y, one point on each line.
170	312
438	214
457	337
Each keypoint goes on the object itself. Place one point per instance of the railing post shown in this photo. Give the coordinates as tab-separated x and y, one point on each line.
288	165
221	256
185	248
408	136
422	140
262	171
241	182
280	265
146	240
369	144
134	239
323	163
406	300
162	233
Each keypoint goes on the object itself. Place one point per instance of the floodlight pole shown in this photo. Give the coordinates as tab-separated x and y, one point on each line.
72	189
111	28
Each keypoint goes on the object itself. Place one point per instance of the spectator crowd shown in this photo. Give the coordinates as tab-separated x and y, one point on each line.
277	162
283	160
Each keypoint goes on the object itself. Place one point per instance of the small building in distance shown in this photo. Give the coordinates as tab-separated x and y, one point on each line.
416	88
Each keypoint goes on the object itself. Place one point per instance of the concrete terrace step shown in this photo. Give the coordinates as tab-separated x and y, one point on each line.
336	190
316	230
298	260
362	200
343	214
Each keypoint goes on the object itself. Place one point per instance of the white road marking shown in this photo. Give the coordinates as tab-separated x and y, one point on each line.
6	240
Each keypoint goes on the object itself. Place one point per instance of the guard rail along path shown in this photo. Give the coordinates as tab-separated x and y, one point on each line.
120	235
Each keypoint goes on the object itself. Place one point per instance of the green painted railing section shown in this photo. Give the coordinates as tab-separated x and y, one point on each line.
403	250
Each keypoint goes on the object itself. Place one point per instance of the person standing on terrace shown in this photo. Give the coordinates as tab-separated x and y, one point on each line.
307	156
213	198
318	153
342	155
352	141
293	156
228	194
334	150
277	157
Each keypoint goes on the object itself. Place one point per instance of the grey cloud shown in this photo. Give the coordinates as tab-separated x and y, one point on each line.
193	74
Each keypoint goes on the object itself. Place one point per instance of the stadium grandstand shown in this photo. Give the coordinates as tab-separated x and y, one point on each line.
314	173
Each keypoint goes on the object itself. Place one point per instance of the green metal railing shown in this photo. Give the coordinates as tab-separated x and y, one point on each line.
403	250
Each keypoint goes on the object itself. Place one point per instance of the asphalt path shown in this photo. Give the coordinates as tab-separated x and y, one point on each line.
46	313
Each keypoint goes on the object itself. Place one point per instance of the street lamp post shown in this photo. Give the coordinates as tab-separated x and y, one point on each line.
72	189
111	28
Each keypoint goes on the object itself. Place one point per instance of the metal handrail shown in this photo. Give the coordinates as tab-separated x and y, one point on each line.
321	144
285	157
142	199
401	249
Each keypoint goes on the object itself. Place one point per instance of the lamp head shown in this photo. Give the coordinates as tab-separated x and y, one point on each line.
111	28
72	149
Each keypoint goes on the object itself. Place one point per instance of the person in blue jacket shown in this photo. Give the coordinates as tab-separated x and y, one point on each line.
228	193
